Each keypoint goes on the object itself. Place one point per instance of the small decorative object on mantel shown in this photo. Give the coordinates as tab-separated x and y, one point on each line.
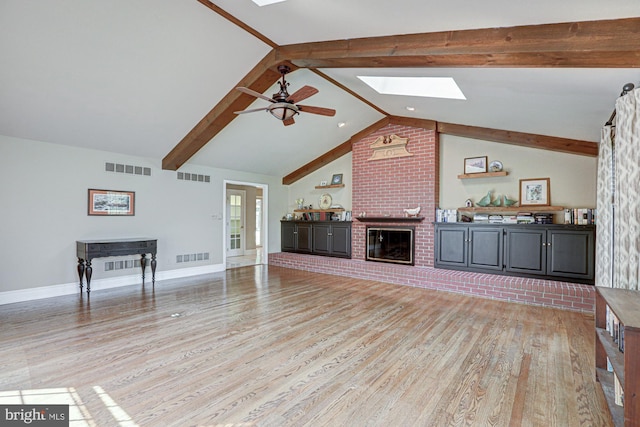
412	212
485	201
468	203
509	202
323	183
496	202
300	202
336	179
389	147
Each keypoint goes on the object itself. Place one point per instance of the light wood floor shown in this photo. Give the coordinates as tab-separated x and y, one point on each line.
268	346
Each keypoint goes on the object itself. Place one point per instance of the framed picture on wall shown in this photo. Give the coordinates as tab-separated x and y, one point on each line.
475	164
110	202
535	192
336	179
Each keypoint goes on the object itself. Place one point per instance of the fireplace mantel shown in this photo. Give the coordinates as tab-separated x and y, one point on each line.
390	218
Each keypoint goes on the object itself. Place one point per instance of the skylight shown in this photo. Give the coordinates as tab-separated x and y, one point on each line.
431	87
266	2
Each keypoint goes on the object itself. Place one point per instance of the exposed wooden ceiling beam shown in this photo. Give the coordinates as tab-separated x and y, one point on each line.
413	122
593	44
564	145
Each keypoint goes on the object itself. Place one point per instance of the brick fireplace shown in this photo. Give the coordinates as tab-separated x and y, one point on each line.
382	188
385	187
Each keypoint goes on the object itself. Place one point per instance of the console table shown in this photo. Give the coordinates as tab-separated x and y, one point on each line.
89	249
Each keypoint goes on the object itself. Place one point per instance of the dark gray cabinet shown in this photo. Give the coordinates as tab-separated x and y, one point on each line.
560	252
295	237
469	247
328	238
332	239
526	250
552	251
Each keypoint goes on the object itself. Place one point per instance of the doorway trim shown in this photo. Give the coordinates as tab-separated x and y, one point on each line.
265	217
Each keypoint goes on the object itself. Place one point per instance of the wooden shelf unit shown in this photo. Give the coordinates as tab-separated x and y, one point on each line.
625	304
320	210
498	209
390	218
321	187
482	175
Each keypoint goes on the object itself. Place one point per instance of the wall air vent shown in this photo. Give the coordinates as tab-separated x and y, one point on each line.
122	264
203	256
186	176
128	169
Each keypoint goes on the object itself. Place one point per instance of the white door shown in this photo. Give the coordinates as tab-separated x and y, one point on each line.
235	222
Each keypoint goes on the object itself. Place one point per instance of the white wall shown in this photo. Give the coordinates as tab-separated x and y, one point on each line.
572	177
305	187
43	211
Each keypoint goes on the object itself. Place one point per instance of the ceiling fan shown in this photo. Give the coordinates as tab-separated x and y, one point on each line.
284	106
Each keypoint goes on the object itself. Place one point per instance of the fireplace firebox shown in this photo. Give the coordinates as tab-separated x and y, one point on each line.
390	244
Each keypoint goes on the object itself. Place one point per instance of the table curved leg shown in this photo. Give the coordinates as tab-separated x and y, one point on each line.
143	265
80	271
87	273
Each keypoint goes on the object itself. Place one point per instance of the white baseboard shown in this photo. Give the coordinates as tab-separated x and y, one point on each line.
21	295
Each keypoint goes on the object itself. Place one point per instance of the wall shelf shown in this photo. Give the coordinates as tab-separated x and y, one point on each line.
320	210
482	175
498	209
321	187
390	218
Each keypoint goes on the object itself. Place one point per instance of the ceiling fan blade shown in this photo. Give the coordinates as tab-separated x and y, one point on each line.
253	110
254	93
303	93
288	122
317	110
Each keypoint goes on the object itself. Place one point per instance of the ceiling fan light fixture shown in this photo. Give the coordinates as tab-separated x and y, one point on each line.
283	110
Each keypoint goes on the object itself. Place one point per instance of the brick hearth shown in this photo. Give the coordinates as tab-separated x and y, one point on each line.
384	188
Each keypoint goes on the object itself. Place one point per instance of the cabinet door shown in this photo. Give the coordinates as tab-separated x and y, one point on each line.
485	248
321	238
341	239
525	250
451	246
570	253
288	236
304	238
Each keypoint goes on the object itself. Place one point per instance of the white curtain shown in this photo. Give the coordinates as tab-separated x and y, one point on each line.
627	192
604	228
618	198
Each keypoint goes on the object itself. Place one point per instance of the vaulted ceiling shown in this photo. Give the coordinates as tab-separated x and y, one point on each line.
157	78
